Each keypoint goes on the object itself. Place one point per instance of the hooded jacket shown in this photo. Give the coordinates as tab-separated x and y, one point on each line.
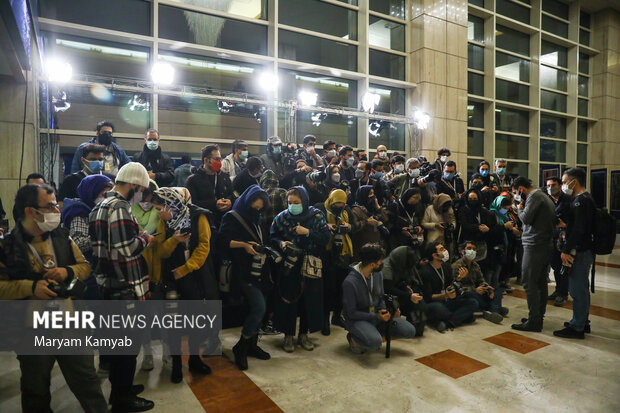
159	163
362	210
434	215
277	196
117	151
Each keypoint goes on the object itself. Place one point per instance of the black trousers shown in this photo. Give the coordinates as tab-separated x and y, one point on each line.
122	371
79	373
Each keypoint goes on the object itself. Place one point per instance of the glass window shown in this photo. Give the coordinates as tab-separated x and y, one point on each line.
386	33
552	101
386	64
512	120
304	48
133	16
513	10
584	63
556	8
192	27
517	169
475	84
582	107
475	28
392	99
512	92
552	151
553	78
475	114
252	9
330	90
475	143
554	26
472	166
475	57
554	54
479	3
512	67
320	17
584	19
339	128
584	37
381	132
582	131
394	8
509	146
582	153
512	40
583	86
552	127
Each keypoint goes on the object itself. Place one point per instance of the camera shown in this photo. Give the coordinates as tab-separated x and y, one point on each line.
74	289
413	230
426	167
292	251
317	176
486	286
457	287
383	230
270	252
341	229
391	303
432	175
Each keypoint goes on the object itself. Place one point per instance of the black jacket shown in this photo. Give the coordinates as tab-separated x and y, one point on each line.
207	189
432	281
243	180
157	162
580	223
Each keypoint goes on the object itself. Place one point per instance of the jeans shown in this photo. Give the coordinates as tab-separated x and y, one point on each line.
257	303
535	268
369	336
485	303
578	286
456	311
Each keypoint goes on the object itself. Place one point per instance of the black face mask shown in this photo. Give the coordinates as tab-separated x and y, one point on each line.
476	186
337	210
363	158
474	203
371	204
446	207
104	139
255	213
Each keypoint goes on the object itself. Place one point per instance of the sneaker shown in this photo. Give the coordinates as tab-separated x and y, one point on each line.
506	286
269	330
354	346
441	327
586	329
305	343
287	344
553	296
492	317
560	301
147	362
569	332
504	311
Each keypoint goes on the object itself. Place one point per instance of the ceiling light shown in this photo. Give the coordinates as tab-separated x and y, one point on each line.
162	73
308	98
58	71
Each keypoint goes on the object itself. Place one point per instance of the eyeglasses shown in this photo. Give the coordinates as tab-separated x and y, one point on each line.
49	207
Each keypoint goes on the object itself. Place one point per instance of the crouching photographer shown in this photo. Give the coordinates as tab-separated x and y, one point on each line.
39	260
364	308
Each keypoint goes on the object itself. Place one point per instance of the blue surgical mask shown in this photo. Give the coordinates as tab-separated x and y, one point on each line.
377	175
448	175
152	145
501	171
95	166
277	150
503	211
484	172
295	209
244	155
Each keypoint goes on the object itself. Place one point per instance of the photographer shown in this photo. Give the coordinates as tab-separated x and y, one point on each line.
234	163
243	238
405	216
451	183
189	273
331	180
500	178
485	193
365	312
498	241
301	233
347	171
473	285
370	220
363	177
36	258
445	308
397	167
338	254
118	247
401	277
249	176
562	203
308	152
488	184
412	179
439	220
442	158
381	154
273	157
329	152
295	172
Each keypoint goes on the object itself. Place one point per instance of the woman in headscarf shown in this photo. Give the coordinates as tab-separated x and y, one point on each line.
143	211
339	255
439	218
369	218
241	235
497	242
405	216
187	273
303	228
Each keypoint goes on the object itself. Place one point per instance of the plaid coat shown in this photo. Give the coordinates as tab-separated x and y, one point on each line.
118	245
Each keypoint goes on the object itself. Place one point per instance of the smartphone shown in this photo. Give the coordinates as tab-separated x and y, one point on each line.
185	230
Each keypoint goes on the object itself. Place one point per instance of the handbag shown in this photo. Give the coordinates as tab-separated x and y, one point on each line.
225	275
311	266
481	250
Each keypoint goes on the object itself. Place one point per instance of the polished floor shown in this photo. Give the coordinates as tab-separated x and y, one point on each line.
479	367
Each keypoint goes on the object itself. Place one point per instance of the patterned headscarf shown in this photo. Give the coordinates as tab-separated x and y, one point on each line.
176	200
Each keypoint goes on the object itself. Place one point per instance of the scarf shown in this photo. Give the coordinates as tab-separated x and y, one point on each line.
176	200
338	196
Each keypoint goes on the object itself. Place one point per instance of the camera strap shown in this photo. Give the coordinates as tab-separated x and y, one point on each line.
38	257
406	212
441	277
257	234
369	288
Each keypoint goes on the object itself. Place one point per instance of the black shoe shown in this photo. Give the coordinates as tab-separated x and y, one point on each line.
197	366
586	329
552	296
257	352
504	311
135	390
326	330
177	370
132	404
560	301
240	350
524	320
338	321
441	327
569	332
527	326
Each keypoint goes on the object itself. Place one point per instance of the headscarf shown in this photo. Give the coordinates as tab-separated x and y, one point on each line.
308	211
177	203
361	197
501	219
465	197
90	187
338	195
269	181
404	199
242	205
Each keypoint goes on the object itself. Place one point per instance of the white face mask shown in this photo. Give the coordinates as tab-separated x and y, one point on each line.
51	220
147	206
518	198
399	168
566	189
336	177
470	254
331	153
414	173
383	154
446	256
443	158
309	149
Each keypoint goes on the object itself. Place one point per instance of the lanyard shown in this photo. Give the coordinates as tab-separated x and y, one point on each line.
440	275
406	212
369	288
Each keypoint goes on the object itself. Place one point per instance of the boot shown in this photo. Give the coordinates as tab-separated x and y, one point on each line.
197	366
240	350
326	328
287	344
305	343
177	370
255	351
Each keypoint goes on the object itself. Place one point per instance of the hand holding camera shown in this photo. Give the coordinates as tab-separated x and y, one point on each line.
58	274
450	292
249	248
41	290
181	236
384	315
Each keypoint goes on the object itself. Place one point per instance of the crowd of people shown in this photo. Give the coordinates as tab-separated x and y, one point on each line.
331	236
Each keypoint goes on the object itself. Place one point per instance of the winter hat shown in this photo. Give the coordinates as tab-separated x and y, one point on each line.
133	173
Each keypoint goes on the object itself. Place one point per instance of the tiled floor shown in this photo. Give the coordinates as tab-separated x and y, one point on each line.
452	364
517	342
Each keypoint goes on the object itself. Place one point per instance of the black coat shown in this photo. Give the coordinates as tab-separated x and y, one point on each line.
207	189
157	162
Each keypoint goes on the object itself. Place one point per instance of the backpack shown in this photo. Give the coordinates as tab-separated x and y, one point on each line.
603	232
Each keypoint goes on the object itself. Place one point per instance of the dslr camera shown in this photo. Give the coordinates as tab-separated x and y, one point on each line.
317	176
74	289
270	252
341	229
292	251
391	304
432	175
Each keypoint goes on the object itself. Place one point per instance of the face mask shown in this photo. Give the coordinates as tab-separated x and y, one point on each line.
470	254
414	173
503	211
566	189
216	166
399	168
309	149
350	161
448	175
477	185
501	171
336	177
474	203
359	173
337	210
446	207
484	172
518	198
377	175
51	220
331	153
443	158
553	190
277	150
446	256
104	139
295	209
255	213
363	158
152	145
244	155
258	175
95	166
372	202
383	154
147	206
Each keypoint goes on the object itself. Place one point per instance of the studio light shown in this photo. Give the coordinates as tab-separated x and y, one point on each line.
162	73
369	101
268	81
58	71
421	119
138	103
375	127
308	98
318	117
60	102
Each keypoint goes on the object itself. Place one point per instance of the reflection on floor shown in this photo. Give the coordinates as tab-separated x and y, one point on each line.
482	366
